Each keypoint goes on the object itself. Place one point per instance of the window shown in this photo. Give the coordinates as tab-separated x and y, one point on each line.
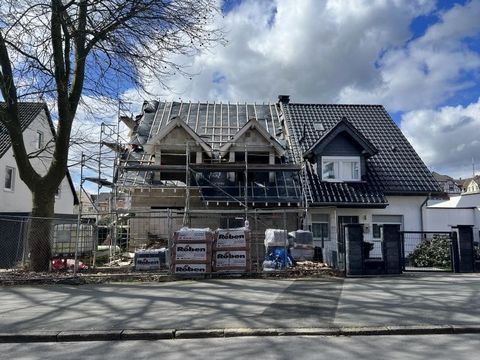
39	140
320	225
9	178
341	168
377	231
379	220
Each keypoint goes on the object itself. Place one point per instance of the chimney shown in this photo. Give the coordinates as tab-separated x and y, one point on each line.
284	99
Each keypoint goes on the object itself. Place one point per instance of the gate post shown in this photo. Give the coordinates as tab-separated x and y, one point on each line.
393	249
354	249
465	249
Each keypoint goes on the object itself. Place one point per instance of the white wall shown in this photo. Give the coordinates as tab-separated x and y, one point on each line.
442	219
406	206
20	199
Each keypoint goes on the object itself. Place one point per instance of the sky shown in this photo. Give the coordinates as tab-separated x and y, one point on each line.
418	58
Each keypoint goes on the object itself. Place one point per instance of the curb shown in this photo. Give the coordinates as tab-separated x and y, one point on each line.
170	334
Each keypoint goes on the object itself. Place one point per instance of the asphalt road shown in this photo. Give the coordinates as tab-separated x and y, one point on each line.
436	347
244	303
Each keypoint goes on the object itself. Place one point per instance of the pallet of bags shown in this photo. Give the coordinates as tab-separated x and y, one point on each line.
231	250
191	251
303	248
191	269
275	237
186	234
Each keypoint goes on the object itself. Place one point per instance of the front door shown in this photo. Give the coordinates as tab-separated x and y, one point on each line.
342	221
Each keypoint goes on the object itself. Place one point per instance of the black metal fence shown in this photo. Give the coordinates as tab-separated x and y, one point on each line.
427	251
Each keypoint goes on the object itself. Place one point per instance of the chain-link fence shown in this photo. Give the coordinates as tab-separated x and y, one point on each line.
114	244
64	242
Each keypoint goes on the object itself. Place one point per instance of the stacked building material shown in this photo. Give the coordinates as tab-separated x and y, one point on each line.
147	259
232	250
303	246
276	250
191	251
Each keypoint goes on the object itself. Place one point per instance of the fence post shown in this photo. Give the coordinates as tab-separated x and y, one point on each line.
392	246
354	249
454	253
465	248
257	245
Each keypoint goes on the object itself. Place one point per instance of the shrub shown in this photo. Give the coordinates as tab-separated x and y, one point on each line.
432	253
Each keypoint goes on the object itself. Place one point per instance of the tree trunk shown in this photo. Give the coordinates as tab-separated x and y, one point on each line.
40	230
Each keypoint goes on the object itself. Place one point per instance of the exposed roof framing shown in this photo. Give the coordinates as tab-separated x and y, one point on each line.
252	124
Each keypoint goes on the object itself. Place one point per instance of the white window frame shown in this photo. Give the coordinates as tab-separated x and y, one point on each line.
39	140
12	179
339	169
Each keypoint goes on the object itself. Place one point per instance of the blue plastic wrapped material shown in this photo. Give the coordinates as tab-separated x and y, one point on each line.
278	257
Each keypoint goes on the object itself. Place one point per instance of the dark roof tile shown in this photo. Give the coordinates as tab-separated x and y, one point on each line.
27	112
395	169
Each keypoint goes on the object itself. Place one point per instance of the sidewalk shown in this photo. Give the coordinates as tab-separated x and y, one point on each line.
442	303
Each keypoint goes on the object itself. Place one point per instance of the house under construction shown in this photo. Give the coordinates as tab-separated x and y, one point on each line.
208	165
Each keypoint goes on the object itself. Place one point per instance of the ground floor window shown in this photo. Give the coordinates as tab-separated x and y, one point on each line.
320	228
9	178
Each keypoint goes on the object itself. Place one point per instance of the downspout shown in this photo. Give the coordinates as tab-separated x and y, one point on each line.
421	211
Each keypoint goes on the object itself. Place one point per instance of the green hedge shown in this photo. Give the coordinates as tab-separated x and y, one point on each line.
432	253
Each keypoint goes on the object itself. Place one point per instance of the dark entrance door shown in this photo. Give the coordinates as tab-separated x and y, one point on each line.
342	221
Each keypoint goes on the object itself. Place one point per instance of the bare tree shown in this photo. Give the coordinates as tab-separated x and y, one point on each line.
59	50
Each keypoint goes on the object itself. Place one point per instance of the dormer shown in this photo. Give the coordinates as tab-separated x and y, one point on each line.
176	137
255	139
341	153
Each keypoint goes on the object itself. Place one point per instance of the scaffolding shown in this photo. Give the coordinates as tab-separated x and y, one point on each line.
178	180
99	167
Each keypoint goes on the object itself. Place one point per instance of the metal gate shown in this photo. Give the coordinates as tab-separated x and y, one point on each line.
427	251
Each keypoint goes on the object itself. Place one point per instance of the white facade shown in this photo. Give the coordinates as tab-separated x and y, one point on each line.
403	210
458	210
18	198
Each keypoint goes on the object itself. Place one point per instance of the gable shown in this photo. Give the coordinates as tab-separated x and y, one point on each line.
27	112
176	135
253	137
343	139
342	145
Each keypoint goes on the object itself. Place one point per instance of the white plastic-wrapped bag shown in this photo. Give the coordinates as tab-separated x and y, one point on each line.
275	237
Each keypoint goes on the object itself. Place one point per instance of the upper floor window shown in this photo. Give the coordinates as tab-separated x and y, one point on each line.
39	140
341	168
9	178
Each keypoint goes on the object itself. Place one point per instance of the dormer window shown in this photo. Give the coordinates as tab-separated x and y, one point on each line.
341	168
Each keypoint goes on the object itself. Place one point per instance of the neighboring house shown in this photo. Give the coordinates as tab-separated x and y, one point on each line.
472	185
15	197
359	168
329	165
104	203
448	184
38	132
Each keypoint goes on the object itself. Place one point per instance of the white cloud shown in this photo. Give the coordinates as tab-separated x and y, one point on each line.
430	69
310	49
350	51
447	138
